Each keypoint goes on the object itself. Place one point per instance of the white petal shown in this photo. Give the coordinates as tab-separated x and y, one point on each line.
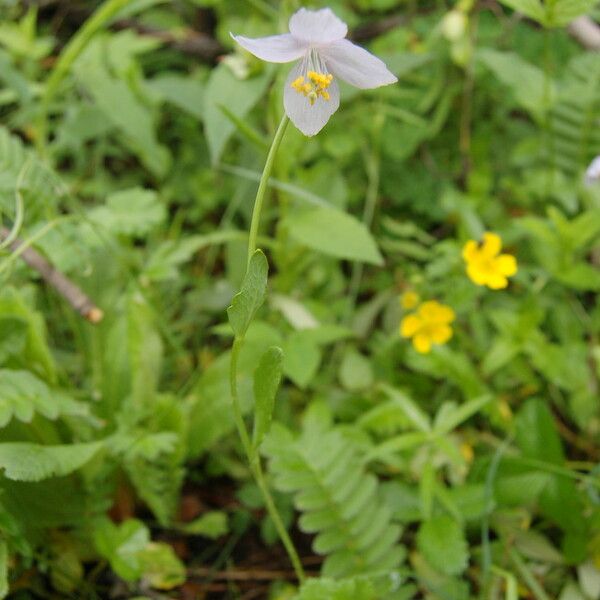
356	66
309	119
317	26
275	48
592	175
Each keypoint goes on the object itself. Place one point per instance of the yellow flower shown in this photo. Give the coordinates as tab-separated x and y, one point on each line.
485	264
409	300
429	325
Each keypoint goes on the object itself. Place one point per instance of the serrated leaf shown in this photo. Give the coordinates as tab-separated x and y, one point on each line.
442	542
252	295
23	461
335	233
267	378
22	395
135	212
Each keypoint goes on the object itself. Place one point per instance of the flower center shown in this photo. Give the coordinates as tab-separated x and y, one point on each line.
313	86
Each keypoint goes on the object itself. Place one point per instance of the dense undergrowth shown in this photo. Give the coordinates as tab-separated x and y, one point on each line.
435	421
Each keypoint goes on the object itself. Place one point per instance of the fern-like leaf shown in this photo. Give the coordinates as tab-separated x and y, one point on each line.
22	461
339	500
21	167
576	115
22	395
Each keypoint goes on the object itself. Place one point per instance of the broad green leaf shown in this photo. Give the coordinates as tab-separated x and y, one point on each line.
183	92
238	95
526	81
250	298
302	357
122	108
565	11
161	567
355	372
443	544
212	525
266	383
133	212
122	545
537	438
335	233
22	461
533	9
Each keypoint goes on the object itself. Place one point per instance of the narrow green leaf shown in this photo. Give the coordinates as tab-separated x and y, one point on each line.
250	298
418	418
459	415
267	378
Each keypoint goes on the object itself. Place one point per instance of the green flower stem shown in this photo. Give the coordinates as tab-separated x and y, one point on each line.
262	186
256	467
72	50
251	452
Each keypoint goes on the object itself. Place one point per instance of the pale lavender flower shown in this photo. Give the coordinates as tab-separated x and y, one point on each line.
592	175
317	40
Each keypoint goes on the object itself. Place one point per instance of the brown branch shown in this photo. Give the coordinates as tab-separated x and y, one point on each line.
189	42
53	277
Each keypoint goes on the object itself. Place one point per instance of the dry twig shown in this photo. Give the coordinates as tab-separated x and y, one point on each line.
60	282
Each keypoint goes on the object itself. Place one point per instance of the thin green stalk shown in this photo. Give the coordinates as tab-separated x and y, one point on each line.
532	583
255	465
251	453
72	50
263	185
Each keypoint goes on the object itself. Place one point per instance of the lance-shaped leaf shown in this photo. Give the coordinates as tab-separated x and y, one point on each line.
250	298
267	378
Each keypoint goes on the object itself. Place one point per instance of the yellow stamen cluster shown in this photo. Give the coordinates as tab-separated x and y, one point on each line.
313	86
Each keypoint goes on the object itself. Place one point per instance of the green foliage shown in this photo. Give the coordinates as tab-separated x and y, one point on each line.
246	303
22	395
334	233
340	502
444	545
132	145
22	461
267	378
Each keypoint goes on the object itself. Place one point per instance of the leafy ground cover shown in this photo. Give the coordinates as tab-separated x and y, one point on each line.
394	397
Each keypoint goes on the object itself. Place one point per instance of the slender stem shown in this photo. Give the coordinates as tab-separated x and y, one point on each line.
251	452
263	185
256	467
72	50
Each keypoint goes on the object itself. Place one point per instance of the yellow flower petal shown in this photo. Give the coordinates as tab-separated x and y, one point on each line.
476	274
470	250
506	264
422	343
429	310
492	244
497	281
445	315
441	334
410	325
